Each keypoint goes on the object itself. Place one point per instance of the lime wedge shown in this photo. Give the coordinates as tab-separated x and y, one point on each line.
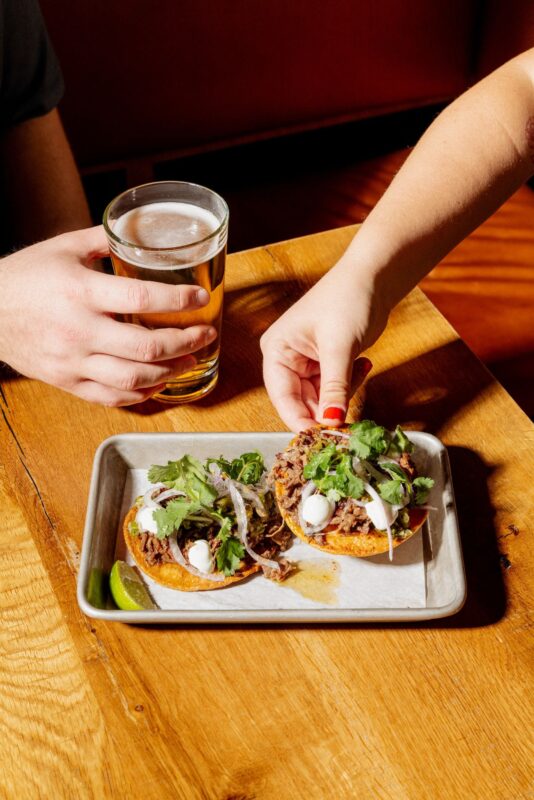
127	588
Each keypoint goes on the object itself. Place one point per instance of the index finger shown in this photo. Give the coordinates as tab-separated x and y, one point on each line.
284	387
88	243
118	295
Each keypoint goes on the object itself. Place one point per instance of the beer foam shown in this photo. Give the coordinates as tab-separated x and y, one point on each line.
165	224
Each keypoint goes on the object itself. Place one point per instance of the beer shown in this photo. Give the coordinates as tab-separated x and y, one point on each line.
175	242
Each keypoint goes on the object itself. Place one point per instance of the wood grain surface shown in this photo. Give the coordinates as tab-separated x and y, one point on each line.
441	710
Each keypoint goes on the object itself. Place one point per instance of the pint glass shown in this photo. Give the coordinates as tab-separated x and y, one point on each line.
174	232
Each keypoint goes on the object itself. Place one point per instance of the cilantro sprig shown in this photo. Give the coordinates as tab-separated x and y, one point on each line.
248	468
422	488
170	518
368	440
394	490
400	443
332	471
187	475
400	488
343	482
230	551
198	507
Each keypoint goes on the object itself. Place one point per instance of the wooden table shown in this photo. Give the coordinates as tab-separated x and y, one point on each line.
441	710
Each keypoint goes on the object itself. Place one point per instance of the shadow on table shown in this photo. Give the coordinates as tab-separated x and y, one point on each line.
486	598
426	392
7	374
421	394
248	313
515	373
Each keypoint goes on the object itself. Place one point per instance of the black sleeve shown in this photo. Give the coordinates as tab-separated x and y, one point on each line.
31	83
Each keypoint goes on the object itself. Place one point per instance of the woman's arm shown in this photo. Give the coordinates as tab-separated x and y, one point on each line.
471	159
474	156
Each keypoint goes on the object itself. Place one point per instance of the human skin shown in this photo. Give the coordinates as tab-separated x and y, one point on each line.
40	179
57	322
56	310
471	159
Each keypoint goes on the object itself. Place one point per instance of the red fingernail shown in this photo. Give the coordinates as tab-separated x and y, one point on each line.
334	412
367	366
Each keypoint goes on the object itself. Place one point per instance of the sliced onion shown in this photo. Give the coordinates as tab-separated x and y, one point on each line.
341	434
373	472
307	490
222	486
168	494
254	498
242	526
364	468
358	468
374	494
217	479
428	508
226	486
263	484
384	459
359	503
180	558
148	500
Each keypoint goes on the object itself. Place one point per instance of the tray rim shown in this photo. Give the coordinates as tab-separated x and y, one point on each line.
268	616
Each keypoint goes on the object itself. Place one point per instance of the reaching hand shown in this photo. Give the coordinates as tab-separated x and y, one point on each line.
57	325
309	353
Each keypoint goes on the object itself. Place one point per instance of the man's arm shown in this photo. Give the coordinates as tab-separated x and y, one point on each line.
42	184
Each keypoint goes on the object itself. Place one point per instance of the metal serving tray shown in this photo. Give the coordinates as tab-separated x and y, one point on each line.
426	579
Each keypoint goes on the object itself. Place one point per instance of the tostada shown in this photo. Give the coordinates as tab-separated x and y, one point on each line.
205	526
352	490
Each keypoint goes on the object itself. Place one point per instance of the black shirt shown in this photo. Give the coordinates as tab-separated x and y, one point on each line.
31	83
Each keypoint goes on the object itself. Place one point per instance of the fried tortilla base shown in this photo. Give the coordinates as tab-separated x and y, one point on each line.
361	545
173	575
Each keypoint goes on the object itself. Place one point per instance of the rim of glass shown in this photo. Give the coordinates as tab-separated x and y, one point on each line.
214	233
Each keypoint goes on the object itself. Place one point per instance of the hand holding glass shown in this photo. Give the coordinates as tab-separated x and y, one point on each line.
174	233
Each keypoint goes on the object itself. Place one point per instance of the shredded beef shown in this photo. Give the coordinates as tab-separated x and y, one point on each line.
214	545
280	535
351	518
406	463
278	575
155	551
267	536
288	467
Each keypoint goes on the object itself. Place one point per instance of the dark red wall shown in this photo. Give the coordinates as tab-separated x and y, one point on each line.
145	77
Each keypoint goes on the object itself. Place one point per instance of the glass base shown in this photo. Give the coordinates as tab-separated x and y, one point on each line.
186	391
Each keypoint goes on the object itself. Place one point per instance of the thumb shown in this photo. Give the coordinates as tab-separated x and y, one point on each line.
340	378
